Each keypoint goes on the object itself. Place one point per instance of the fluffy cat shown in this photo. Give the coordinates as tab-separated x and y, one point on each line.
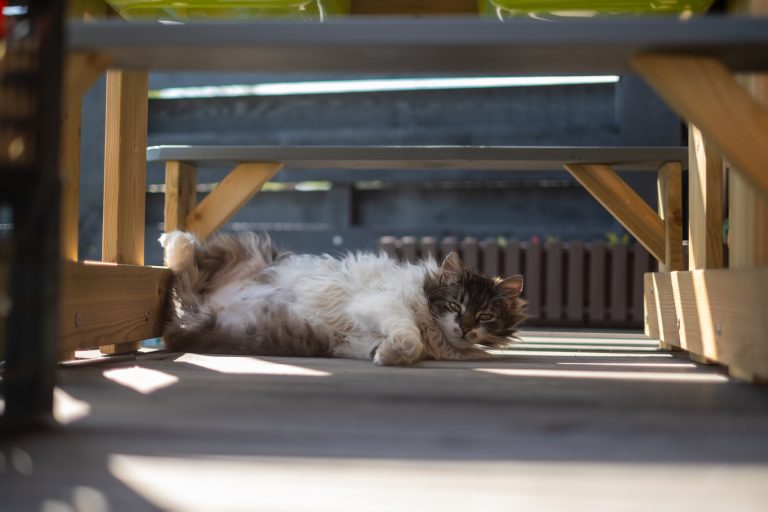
240	295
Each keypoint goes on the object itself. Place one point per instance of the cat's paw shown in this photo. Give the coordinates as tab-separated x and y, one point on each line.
179	249
399	349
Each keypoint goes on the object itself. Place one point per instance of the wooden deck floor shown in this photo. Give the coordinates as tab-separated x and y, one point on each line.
566	421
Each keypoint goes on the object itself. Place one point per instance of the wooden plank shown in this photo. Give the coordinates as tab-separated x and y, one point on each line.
652	327
575	300
125	174
671	213
705	193
390	7
470	253
498	158
447	44
81	71
722	316
428	247
513	264
623	203
617	288
180	194
596	283
408	249
641	263
387	246
448	245
666	316
534	280
236	189
104	304
705	93
491	261
553	306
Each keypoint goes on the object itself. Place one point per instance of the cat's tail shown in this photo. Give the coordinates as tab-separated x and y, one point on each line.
276	331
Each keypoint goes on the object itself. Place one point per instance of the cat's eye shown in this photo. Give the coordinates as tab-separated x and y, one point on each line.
454	307
484	317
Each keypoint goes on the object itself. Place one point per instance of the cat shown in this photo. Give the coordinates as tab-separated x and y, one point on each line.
241	295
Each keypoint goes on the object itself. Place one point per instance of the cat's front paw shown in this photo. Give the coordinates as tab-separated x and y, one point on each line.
179	249
399	349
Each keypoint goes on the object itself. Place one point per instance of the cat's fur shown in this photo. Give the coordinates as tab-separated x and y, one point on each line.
240	295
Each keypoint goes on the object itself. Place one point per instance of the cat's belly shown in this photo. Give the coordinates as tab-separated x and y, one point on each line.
237	304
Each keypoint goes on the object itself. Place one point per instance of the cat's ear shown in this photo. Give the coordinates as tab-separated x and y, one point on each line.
452	268
511	287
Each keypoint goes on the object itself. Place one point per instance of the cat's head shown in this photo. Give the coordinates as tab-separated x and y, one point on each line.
471	309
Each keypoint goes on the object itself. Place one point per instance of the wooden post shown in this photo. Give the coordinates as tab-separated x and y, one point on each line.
180	194
125	174
705	205
671	213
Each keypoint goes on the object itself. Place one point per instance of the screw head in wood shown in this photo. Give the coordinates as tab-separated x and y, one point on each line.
78	319
147	315
718	330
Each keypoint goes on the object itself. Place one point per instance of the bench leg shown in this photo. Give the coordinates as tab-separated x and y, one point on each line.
705	204
671	214
180	194
125	174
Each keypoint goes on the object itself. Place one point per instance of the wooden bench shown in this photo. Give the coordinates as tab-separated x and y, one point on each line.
594	167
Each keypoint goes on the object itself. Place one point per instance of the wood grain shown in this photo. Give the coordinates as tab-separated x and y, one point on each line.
623	203
705	193
671	214
705	93
651	323
81	71
103	304
236	189
180	194
125	173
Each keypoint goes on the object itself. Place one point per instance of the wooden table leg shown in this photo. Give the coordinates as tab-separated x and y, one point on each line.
125	174
180	194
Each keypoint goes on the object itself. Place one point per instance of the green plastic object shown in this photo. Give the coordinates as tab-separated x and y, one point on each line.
590	8
201	10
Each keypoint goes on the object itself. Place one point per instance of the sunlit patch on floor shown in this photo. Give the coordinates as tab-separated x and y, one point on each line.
579	353
340	484
140	379
248	365
67	408
608	375
636	365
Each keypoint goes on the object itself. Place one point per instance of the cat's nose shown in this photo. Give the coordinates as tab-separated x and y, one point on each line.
465	329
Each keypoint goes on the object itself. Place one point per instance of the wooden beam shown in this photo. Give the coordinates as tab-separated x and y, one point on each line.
722	317
125	173
705	204
671	214
703	92
103	304
180	194
239	186
623	203
81	71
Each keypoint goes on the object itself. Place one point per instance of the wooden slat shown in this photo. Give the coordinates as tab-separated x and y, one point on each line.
470	253
407	45
447	245
723	317
553	307
617	290
428	247
180	194
408	249
703	91
533	280
491	262
671	213
234	191
103	304
623	203
513	260
705	192
596	283
387	245
125	174
574	310
437	158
